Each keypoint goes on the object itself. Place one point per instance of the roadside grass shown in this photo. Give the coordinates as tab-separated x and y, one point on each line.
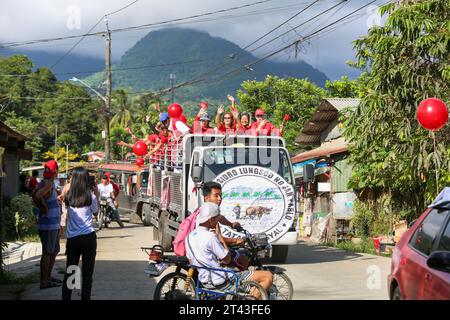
365	246
15	284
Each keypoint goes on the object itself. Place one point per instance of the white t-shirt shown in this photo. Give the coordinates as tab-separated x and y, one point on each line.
79	220
105	191
207	251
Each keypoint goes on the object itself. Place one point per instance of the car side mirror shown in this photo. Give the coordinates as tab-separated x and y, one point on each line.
197	174
439	260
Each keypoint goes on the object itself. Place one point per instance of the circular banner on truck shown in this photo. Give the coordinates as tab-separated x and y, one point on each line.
259	199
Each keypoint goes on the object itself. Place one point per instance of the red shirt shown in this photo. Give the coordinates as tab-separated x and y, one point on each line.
198	128
222	129
33	183
245	130
115	187
266	130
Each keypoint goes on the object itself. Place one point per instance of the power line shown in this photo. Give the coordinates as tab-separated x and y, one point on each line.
92	28
121	9
272	30
298	26
14	44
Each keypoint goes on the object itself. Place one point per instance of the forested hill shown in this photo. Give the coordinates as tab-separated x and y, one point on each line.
191	54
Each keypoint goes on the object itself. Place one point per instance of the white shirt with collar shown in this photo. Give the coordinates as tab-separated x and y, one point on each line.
204	249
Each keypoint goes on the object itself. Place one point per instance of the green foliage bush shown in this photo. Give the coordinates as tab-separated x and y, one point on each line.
362	219
18	218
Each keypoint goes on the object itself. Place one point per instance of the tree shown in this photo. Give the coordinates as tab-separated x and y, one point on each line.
405	61
61	156
296	97
121	106
343	88
28	128
75	113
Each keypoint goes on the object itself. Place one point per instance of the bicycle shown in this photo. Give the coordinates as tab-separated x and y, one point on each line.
257	247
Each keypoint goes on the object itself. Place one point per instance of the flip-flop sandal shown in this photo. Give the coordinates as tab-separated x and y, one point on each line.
56	280
51	285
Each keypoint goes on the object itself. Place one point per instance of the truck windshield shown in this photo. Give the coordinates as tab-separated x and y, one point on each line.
218	160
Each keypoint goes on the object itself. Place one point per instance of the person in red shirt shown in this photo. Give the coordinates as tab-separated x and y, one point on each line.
33	183
244	125
163	139
262	127
230	119
201	122
112	180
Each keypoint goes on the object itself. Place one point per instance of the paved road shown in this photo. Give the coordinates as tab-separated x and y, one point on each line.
317	272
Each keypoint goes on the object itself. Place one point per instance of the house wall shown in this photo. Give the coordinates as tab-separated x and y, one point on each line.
331	132
11	165
341	173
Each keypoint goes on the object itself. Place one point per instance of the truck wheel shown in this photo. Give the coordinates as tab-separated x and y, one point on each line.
164	238
146	215
279	254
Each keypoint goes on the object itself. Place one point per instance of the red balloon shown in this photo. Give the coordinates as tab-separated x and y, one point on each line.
175	110
432	114
140	148
183	119
140	162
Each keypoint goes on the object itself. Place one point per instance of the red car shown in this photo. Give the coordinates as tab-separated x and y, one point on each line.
420	267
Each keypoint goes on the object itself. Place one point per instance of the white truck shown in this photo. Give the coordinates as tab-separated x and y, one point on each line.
258	187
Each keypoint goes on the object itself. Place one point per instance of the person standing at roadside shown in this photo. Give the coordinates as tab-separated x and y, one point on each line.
81	205
48	212
33	183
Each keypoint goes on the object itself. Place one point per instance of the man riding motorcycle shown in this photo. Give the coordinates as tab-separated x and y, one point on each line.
106	190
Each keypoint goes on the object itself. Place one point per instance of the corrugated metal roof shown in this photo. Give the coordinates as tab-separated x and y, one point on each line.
328	148
120	167
327	112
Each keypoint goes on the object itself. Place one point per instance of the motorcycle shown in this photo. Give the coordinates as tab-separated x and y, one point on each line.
104	214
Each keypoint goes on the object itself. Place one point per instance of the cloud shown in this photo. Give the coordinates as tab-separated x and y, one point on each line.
27	19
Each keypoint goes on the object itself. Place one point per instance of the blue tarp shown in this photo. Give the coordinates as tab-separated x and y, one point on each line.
442	200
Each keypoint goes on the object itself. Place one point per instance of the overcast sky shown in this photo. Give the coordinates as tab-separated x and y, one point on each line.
22	20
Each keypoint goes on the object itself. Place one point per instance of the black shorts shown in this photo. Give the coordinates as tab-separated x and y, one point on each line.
50	241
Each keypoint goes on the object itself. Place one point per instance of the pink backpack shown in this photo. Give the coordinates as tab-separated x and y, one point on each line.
186	226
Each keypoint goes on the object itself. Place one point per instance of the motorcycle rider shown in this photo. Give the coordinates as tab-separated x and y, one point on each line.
106	190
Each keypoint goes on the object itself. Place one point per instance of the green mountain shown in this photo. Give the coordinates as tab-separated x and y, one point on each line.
191	54
66	69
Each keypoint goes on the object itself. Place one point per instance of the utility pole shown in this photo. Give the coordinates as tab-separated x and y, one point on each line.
67	159
108	89
172	78
56	141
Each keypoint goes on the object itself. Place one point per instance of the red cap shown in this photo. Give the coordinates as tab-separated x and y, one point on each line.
203	105
50	169
259	112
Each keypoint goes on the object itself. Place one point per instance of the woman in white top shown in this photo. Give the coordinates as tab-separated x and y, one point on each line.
81	205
